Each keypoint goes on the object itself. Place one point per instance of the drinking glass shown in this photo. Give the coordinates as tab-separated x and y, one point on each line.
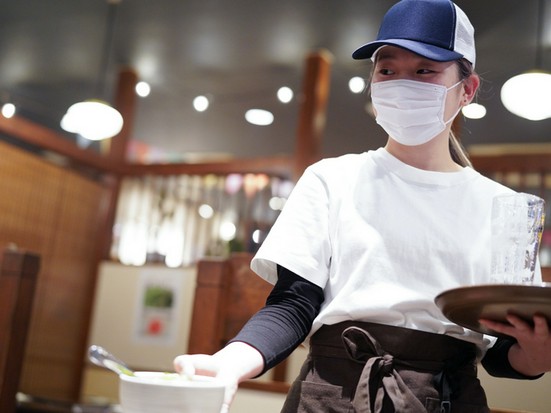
517	226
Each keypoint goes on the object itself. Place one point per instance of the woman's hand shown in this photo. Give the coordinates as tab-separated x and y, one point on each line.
531	355
233	364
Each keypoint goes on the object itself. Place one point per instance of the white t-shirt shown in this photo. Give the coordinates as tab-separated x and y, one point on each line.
383	239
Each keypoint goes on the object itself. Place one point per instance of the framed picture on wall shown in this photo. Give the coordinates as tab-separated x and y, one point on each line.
157	314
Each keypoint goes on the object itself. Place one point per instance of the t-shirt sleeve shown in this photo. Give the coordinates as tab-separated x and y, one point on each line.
299	239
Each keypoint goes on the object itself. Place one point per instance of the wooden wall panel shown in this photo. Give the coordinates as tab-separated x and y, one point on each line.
227	294
57	214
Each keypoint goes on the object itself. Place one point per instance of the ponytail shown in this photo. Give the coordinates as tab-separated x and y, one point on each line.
458	152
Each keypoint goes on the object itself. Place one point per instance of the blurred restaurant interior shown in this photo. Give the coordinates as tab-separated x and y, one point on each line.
190	182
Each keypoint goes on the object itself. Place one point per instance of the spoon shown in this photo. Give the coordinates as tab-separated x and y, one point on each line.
101	357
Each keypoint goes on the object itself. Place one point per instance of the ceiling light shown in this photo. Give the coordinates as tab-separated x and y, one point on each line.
528	95
474	111
95	119
259	117
201	103
143	89
285	94
356	84
8	110
92	119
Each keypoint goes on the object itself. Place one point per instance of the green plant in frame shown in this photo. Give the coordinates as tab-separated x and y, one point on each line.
158	296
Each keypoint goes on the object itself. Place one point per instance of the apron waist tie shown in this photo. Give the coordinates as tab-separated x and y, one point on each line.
379	380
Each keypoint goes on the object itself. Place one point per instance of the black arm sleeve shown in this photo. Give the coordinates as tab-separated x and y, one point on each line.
496	361
279	327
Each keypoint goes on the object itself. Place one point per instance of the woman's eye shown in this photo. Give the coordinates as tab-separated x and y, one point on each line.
385	71
424	71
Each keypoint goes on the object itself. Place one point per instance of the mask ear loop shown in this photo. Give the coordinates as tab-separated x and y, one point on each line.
453	86
460	106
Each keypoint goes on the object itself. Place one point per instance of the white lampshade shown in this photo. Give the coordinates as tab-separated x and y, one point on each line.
528	95
92	119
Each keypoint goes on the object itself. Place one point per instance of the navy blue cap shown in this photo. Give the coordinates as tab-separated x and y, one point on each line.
435	29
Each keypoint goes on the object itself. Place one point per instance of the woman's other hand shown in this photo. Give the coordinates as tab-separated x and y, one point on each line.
233	364
531	355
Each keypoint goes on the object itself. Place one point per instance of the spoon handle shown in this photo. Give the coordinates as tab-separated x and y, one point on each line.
103	358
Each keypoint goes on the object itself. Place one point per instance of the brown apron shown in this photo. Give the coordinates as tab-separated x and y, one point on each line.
372	368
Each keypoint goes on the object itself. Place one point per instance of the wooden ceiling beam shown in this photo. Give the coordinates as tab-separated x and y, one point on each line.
511	162
46	139
281	166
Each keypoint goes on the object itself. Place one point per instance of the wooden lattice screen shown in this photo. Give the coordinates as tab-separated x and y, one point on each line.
57	214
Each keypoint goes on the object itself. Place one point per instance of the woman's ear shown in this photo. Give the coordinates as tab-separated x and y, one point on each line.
470	86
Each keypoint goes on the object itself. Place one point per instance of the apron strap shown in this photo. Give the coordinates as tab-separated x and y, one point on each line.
379	380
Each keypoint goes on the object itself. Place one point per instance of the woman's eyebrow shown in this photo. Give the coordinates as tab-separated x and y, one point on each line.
385	59
385	56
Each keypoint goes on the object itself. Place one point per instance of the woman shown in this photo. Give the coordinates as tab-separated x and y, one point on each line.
366	241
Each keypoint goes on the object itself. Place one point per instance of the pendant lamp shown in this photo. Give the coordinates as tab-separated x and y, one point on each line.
528	95
95	119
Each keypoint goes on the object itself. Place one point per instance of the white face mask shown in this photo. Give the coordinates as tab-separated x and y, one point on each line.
411	112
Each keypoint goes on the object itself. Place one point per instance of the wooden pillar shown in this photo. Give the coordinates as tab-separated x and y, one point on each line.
114	149
125	102
313	108
18	273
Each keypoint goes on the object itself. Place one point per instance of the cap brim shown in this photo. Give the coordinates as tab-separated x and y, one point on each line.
426	50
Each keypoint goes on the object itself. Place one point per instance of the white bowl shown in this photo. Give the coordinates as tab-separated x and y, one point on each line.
157	392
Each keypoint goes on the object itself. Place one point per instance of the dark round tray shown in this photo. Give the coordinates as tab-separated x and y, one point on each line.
466	305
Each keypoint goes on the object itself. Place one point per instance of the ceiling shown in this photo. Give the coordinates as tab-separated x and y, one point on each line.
239	53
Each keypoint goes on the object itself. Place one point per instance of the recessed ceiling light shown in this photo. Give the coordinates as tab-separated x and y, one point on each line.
356	84
8	110
259	117
201	103
143	89
285	94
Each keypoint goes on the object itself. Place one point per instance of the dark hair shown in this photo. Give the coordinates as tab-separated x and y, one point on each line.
457	151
